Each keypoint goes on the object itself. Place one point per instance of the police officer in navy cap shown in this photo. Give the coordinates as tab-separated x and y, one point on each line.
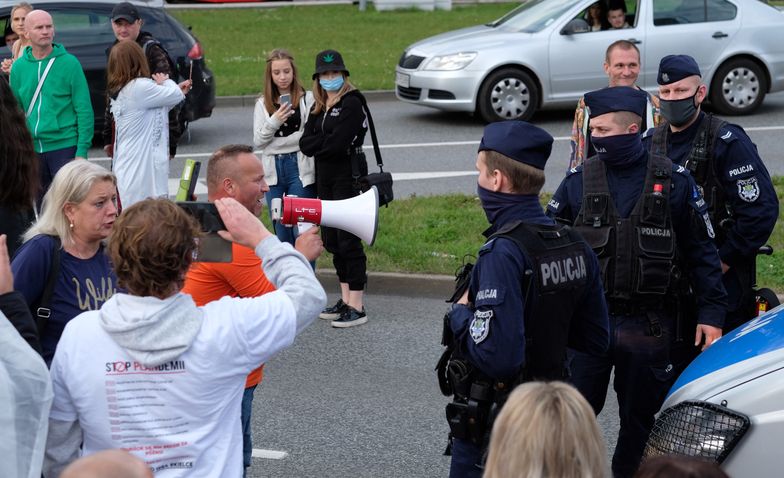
648	224
535	288
742	202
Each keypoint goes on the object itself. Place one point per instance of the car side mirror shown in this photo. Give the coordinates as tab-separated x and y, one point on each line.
578	25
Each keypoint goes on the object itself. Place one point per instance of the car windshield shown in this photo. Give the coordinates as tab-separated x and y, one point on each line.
533	15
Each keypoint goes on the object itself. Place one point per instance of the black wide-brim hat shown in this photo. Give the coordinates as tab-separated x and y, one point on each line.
329	60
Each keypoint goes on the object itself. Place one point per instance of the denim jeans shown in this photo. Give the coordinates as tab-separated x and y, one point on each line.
290	185
247	433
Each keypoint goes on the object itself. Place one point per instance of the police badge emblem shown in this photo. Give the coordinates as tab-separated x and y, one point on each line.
748	189
480	326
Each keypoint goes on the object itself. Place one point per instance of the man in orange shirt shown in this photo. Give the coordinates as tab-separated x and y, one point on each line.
233	171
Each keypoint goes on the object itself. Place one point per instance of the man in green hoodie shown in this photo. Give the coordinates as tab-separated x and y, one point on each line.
50	86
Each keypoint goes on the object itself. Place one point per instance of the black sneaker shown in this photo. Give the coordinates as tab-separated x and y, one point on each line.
334	312
350	318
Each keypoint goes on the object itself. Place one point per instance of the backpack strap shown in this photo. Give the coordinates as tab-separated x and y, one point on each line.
38	88
42	308
372	129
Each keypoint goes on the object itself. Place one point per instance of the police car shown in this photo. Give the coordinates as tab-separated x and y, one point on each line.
728	405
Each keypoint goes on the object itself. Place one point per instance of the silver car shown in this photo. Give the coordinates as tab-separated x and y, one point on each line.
543	54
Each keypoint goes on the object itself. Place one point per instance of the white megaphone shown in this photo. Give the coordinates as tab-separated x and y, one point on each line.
357	215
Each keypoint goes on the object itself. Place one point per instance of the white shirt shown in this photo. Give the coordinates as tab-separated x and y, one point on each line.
183	417
141	149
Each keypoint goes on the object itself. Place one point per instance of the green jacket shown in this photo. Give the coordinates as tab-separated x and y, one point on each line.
63	115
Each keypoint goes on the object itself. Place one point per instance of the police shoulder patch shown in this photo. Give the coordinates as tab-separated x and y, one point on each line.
480	325
748	189
726	135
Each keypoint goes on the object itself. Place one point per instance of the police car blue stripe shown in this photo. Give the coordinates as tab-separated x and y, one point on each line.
757	337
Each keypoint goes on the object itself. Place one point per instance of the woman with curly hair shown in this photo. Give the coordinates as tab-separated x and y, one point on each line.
157	369
19	180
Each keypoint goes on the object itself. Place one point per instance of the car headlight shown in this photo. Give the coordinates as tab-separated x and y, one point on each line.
699	429
456	61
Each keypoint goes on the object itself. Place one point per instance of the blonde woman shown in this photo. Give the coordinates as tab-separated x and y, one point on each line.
277	129
18	14
546	429
333	134
77	215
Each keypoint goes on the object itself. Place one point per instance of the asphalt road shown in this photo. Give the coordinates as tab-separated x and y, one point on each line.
431	152
361	402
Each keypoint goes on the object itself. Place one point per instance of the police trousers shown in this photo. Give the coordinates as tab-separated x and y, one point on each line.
466	460
646	366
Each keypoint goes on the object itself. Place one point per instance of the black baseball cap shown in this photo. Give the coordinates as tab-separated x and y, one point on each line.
329	60
125	11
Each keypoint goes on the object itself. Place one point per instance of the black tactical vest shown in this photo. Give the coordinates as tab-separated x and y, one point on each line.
700	164
559	274
636	254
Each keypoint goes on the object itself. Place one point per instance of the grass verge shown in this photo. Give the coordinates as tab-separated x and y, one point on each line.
431	235
237	41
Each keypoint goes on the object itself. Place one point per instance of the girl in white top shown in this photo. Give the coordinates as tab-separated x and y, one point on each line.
140	106
277	128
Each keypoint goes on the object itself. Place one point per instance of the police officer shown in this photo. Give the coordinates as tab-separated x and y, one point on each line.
535	288
724	162
639	214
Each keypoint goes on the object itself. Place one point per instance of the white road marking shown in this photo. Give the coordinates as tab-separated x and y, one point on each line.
269	454
438	144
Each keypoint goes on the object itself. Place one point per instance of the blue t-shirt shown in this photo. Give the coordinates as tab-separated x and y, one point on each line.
83	284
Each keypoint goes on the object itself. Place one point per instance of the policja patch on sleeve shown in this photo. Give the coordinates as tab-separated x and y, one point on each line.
748	189
480	326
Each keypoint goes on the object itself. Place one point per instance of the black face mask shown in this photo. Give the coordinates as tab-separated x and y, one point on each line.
679	112
619	150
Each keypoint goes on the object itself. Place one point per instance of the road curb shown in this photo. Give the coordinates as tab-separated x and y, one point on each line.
392	283
250	100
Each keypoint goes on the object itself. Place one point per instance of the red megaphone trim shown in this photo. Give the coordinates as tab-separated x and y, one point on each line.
300	210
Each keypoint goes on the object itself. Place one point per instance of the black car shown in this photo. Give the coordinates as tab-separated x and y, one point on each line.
84	28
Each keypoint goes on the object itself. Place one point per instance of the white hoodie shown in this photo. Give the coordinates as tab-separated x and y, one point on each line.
164	379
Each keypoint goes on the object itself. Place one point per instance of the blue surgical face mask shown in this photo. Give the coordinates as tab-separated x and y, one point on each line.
620	149
334	84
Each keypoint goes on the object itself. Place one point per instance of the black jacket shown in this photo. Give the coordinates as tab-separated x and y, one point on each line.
13	305
329	135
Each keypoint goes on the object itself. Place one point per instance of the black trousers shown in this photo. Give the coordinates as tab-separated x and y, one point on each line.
334	182
645	366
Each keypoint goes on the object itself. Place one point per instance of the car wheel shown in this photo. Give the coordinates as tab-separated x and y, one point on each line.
508	94
738	87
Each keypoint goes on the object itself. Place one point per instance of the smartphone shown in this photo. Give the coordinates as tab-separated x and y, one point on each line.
212	247
285	99
188	180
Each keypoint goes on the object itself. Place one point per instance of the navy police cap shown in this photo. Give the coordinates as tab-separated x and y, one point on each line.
519	141
617	98
674	68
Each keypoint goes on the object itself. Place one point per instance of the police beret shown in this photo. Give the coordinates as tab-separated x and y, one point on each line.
519	141
617	98
674	68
